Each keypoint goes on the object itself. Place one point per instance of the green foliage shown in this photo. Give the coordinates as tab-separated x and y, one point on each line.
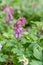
31	42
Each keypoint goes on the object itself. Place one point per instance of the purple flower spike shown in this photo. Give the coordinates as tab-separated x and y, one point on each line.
18	30
18	27
9	11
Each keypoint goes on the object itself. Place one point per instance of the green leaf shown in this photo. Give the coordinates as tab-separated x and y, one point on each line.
3	58
35	62
37	53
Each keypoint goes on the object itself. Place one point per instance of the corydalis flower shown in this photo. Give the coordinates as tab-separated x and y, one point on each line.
18	27
18	30
24	60
21	21
9	10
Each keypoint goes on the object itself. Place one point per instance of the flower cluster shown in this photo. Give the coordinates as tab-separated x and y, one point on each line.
18	26
24	60
9	10
19	23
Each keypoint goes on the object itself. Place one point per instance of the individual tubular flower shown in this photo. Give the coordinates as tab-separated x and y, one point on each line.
17	30
21	21
18	27
9	10
24	60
